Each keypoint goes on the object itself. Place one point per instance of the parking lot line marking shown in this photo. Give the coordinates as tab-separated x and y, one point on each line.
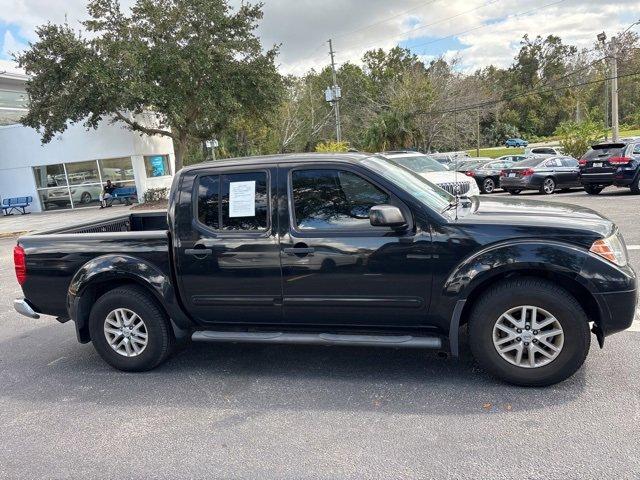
635	326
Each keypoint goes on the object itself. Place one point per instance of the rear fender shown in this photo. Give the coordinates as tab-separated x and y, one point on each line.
100	272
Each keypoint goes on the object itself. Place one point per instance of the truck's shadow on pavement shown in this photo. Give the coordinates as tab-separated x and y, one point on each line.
260	378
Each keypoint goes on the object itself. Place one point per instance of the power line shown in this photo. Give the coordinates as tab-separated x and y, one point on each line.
422	27
479	27
523	94
350	32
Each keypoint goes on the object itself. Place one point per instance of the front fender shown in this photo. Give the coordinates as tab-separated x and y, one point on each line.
114	268
507	257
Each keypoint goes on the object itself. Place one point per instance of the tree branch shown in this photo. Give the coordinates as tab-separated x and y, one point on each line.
141	128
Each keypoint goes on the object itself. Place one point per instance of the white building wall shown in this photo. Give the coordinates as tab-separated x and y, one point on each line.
21	149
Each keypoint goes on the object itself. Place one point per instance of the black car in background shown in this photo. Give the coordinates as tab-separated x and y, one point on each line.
487	174
611	164
546	174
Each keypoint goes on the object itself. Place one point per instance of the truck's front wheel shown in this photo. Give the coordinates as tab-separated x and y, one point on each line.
529	332
129	330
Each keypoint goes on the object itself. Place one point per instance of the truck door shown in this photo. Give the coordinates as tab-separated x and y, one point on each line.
226	251
337	268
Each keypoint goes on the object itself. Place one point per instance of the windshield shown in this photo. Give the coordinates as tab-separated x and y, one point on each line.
420	163
429	194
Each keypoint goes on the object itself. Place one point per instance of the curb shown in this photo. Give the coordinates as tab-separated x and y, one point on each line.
13	234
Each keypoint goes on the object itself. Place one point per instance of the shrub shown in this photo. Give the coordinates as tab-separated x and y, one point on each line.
331	147
156	194
576	138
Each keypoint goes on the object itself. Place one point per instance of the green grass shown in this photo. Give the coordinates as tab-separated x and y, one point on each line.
630	133
496	152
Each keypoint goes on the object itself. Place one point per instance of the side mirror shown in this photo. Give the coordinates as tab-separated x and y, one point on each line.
387	216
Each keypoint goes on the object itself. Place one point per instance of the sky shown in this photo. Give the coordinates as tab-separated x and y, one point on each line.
476	32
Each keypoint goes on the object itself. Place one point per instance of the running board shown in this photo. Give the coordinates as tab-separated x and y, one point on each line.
397	341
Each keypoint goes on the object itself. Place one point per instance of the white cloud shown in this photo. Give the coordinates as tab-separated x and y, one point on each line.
10	45
304	26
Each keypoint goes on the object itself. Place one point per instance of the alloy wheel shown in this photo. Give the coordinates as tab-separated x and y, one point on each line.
549	185
489	185
528	336
125	332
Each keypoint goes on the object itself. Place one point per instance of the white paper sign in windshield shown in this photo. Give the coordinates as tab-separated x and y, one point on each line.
242	199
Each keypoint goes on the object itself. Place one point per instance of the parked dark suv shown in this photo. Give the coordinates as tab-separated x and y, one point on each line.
608	164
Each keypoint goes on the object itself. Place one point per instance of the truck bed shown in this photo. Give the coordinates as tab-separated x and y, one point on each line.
59	254
134	222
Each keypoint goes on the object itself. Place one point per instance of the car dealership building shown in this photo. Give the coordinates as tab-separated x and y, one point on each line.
69	171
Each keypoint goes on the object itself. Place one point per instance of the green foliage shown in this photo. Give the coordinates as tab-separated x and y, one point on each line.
332	147
576	138
196	64
156	194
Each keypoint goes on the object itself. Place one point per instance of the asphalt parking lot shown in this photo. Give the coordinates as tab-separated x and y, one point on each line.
251	411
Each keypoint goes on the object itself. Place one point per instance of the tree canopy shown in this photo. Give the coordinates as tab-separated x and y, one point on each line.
186	69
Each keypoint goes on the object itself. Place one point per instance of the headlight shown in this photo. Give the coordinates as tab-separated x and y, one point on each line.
612	248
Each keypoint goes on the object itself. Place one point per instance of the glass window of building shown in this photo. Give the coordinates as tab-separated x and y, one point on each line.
118	170
79	184
157	165
51	182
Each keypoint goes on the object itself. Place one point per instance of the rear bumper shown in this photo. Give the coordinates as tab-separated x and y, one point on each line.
520	183
24	308
596	178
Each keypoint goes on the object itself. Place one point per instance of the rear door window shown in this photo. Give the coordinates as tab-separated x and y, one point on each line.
569	162
234	202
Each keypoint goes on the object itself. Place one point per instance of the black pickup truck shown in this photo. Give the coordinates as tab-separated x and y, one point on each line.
343	249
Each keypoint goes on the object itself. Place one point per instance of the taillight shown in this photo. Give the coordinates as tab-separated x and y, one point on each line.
619	160
470	173
503	173
528	171
20	263
582	162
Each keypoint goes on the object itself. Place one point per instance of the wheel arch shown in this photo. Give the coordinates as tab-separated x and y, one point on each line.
558	263
570	284
103	274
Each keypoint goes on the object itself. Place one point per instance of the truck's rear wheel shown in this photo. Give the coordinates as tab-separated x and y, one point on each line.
129	330
529	332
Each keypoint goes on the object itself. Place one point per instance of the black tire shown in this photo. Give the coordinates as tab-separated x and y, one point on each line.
514	192
543	294
488	185
635	186
160	339
593	189
548	186
85	197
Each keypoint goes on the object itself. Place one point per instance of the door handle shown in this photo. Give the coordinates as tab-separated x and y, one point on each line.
198	252
299	250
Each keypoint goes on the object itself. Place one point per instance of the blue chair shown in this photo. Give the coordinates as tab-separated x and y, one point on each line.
126	194
18	204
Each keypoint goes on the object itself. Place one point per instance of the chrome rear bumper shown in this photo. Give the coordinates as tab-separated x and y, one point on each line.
23	308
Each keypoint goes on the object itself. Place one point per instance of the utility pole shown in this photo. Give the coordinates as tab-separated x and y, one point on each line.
602	38
615	128
478	132
333	94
